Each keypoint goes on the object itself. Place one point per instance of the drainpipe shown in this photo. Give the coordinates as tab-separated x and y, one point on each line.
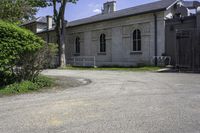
198	18
156	38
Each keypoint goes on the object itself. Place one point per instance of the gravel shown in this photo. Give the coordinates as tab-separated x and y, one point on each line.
114	102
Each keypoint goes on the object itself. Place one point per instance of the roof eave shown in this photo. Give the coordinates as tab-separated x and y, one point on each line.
152	11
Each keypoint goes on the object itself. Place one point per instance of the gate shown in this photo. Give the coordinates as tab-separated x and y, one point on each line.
188	49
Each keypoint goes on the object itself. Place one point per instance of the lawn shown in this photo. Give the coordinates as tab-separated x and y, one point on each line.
135	69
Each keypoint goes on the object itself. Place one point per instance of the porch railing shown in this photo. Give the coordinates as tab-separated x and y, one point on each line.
162	60
86	61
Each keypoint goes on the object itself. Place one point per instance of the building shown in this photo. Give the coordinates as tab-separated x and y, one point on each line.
39	24
128	37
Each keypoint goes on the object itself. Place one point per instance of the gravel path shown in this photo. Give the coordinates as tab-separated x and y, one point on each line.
115	102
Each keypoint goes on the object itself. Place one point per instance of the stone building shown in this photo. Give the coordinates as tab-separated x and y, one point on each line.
39	24
127	37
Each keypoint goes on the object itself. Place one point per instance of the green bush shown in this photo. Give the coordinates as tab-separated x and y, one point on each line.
27	86
19	50
17	88
52	56
43	81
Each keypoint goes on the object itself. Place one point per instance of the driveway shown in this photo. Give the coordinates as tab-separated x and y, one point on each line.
115	102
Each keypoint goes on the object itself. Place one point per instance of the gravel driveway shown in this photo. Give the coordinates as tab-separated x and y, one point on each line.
115	102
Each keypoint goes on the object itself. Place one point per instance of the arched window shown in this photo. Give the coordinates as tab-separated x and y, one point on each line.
77	45
103	43
137	40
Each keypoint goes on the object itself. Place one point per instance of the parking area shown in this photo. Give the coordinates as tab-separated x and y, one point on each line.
114	102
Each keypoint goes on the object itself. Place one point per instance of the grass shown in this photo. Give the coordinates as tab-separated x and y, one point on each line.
40	82
135	69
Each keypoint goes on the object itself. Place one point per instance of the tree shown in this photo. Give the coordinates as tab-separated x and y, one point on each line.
22	10
59	18
18	11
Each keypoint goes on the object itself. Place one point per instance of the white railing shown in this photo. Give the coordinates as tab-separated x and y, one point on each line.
86	61
162	60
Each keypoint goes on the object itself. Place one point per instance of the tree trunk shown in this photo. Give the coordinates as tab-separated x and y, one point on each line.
62	36
62	45
59	18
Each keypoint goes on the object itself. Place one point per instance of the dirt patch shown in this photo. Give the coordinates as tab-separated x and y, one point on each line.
62	83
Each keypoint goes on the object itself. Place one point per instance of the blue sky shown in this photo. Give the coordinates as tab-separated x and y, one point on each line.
86	8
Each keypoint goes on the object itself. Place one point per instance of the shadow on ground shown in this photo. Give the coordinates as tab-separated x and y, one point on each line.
63	83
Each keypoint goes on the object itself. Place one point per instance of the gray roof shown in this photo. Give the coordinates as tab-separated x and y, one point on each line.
37	20
145	8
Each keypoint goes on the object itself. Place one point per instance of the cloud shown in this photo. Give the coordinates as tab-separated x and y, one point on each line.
96	8
97	11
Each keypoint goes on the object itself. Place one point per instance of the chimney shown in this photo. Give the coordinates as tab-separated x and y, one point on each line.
49	22
109	7
198	18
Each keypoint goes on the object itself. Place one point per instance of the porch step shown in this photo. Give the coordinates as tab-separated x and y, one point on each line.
168	68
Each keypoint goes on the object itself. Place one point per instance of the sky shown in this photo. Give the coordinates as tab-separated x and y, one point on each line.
86	8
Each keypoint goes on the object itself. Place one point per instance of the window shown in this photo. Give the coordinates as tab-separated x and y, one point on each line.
77	48
103	43
109	9
137	40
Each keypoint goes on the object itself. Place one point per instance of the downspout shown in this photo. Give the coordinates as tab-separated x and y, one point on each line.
155	38
198	18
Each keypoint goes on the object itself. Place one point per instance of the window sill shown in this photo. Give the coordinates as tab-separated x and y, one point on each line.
102	53
136	52
76	54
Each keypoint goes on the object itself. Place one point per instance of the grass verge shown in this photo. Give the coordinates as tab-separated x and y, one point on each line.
135	69
27	86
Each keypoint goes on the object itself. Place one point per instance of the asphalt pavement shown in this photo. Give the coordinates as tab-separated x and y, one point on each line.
114	102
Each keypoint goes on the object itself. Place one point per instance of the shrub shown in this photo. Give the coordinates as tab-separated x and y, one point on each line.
22	54
16	88
15	44
43	81
27	86
51	56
